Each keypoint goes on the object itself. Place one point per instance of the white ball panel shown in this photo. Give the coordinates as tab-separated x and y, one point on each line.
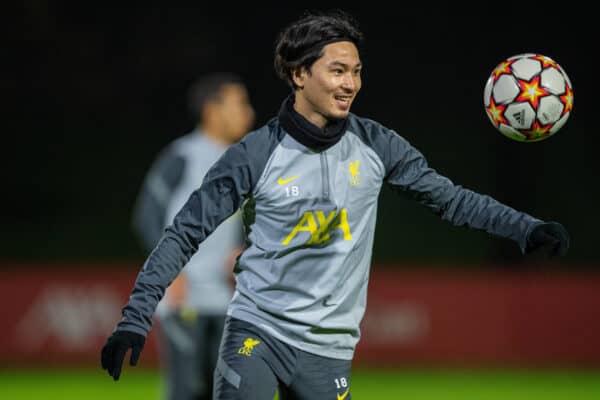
549	109
487	91
520	115
559	124
553	80
526	68
505	89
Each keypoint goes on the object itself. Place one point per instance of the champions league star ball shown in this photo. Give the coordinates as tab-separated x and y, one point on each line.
528	97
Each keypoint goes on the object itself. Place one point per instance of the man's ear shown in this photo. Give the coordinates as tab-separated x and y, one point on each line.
299	76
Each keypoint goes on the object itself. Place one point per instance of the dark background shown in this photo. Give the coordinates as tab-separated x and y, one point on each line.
91	92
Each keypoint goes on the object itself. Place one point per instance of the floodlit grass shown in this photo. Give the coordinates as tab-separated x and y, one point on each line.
366	384
476	385
80	384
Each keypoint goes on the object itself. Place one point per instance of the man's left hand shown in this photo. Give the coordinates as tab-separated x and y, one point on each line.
549	237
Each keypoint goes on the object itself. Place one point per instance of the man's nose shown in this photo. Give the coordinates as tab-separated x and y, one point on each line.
348	83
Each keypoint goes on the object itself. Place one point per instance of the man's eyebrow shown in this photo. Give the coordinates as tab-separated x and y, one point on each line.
342	64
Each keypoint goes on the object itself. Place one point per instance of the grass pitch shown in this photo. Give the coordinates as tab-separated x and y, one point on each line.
366	384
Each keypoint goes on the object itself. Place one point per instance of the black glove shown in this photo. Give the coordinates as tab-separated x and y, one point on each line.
115	349
549	237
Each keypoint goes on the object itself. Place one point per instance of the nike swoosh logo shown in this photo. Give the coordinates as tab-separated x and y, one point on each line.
281	181
343	395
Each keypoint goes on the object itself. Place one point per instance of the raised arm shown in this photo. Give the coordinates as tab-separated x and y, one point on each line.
407	172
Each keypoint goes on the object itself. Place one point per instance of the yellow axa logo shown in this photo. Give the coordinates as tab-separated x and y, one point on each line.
343	395
282	181
248	346
320	225
353	169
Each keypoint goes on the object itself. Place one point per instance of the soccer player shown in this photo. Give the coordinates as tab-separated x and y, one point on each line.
308	183
192	314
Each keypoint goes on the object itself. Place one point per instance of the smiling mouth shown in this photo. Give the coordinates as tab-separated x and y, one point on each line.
343	102
346	99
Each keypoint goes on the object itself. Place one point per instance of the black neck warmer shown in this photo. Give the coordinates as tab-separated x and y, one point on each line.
306	132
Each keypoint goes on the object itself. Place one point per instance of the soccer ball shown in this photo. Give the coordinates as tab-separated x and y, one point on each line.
528	97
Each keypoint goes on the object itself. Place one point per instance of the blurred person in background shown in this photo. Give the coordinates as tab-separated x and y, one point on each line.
308	183
192	313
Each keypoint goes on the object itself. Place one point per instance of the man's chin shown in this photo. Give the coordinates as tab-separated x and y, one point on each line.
338	115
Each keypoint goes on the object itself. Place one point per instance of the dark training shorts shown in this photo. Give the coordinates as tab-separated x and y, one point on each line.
252	365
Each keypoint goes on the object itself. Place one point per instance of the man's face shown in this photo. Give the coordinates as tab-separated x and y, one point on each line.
327	91
235	113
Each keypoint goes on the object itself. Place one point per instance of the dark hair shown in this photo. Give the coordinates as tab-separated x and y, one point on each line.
301	43
207	88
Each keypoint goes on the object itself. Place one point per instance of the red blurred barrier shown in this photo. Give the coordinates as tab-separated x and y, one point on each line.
482	318
62	314
59	315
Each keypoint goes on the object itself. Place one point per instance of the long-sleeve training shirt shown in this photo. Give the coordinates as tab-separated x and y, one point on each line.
310	220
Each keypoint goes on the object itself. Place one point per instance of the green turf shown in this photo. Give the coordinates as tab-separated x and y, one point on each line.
476	385
137	383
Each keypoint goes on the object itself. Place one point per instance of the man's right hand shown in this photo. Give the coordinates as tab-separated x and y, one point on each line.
115	348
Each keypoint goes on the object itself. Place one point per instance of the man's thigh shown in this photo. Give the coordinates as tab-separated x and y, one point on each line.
318	378
244	367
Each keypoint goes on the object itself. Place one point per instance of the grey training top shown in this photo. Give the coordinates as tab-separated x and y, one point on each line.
310	222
